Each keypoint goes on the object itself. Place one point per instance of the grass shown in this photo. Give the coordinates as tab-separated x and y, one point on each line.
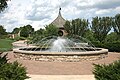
5	45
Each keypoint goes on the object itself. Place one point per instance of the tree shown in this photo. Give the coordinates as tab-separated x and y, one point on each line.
3	5
39	32
89	36
67	26
101	26
76	27
26	31
38	35
82	26
51	30
15	31
116	24
2	31
112	37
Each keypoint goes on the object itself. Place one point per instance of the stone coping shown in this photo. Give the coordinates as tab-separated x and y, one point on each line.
87	53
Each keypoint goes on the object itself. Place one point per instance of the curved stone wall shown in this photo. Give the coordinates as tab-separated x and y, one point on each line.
61	56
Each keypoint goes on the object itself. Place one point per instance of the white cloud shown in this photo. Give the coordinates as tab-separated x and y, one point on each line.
117	9
42	12
104	11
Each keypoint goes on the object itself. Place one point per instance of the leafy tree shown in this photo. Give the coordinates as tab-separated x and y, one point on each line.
2	31
111	37
76	27
51	30
68	27
3	4
116	24
101	26
38	35
23	32
26	31
16	30
89	36
11	71
39	32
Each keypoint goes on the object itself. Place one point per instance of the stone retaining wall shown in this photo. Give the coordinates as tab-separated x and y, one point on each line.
61	58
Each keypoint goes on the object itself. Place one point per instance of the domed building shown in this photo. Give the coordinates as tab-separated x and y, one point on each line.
59	22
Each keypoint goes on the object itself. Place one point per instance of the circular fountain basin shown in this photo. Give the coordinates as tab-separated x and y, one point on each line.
70	56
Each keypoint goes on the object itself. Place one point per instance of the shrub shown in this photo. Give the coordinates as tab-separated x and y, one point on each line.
19	38
11	71
111	46
3	36
107	72
98	44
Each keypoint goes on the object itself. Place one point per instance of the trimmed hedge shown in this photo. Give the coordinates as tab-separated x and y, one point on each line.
111	46
107	72
98	44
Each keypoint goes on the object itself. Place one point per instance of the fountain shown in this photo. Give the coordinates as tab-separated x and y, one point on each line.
59	45
61	48
55	48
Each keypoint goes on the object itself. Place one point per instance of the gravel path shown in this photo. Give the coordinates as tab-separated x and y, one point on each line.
63	68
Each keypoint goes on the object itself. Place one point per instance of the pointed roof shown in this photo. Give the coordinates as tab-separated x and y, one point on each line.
59	21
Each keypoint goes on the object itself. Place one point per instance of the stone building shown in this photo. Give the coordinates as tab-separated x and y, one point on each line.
59	22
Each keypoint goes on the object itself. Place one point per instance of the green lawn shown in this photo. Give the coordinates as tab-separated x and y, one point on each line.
5	45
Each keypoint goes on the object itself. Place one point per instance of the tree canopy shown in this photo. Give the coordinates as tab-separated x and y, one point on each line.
116	24
15	31
51	30
2	31
76	27
3	5
101	26
25	31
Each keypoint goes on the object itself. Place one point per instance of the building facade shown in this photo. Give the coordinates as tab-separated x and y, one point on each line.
59	22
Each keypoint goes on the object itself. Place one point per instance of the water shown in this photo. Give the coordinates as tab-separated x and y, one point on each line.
59	45
63	44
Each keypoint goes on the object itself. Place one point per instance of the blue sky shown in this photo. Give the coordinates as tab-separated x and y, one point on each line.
39	13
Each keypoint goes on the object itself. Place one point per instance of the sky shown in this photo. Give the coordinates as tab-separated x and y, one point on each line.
39	13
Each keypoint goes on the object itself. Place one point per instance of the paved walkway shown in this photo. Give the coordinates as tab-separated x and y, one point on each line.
63	68
61	77
20	43
38	70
